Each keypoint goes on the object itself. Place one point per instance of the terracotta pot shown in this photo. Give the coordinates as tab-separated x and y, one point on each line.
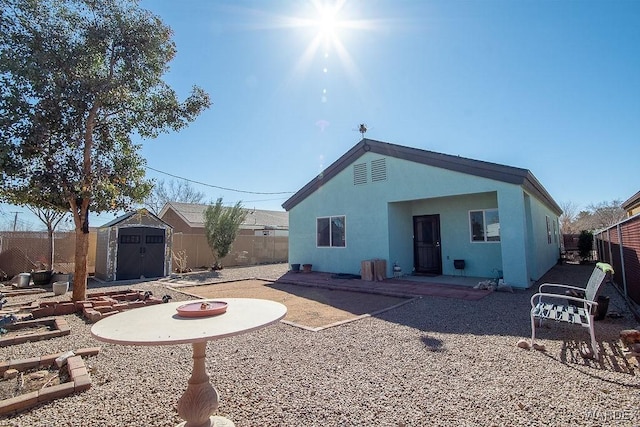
306	268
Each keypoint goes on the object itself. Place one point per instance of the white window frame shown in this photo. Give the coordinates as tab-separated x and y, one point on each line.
484	225
331	245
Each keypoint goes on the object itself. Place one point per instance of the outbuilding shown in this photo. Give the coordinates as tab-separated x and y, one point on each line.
136	245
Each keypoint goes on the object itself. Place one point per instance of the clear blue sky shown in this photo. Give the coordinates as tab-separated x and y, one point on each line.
549	86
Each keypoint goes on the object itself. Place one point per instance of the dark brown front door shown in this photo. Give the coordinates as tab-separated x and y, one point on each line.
426	244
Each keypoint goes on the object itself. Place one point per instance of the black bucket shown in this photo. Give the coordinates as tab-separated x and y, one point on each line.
602	308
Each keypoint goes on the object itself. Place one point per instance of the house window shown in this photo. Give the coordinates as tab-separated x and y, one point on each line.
484	225
555	233
548	230
331	232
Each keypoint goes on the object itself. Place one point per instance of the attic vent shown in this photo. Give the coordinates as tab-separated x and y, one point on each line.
360	174
379	170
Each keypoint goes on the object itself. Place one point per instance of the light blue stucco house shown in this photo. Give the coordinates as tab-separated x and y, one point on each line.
423	210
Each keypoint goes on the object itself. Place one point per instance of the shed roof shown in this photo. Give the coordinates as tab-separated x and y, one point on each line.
193	215
128	215
479	168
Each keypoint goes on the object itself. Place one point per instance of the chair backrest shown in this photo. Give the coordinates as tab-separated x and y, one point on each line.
594	283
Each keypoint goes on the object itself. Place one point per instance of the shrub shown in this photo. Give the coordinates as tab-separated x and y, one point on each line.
585	245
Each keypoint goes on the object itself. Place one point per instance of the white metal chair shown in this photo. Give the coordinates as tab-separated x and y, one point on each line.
579	310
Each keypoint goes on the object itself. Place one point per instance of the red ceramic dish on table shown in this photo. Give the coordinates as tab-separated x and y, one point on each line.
202	308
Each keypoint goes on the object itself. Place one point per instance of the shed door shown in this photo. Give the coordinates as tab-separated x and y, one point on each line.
426	244
140	253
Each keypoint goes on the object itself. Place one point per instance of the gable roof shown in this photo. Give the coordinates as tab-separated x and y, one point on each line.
631	202
128	215
508	174
193	215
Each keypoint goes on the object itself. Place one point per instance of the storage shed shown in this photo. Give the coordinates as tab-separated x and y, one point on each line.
136	245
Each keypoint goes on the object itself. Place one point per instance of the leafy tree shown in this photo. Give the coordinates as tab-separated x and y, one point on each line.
221	228
78	78
174	191
51	218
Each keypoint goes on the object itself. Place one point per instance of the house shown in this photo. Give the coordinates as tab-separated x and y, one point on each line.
619	245
188	218
632	205
424	210
262	237
133	246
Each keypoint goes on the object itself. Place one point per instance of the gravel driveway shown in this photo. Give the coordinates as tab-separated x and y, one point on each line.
432	362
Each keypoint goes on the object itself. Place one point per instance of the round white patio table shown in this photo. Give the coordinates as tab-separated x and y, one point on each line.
162	325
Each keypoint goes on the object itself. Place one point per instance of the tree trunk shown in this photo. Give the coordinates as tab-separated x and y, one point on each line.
51	247
81	220
80	209
80	274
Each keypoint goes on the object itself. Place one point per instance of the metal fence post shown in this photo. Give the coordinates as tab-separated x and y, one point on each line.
622	267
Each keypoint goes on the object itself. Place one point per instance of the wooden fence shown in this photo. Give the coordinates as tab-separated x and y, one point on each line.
24	251
246	250
619	245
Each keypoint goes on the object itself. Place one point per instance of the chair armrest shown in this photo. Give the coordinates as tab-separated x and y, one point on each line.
558	285
565	298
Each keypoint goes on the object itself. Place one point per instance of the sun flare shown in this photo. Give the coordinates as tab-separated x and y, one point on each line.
328	20
323	28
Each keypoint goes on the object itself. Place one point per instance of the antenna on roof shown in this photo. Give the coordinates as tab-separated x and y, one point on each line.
362	129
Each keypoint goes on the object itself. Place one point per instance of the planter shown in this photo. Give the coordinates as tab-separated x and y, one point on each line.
295	268
42	277
62	277
23	280
60	288
306	268
458	264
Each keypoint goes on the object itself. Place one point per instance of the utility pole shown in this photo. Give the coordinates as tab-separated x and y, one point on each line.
15	219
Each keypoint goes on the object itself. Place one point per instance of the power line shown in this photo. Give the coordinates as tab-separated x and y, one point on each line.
218	187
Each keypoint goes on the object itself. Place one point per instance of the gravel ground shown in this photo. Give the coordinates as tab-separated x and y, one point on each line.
432	362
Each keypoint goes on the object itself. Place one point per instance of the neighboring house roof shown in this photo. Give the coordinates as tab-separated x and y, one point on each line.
193	215
479	168
632	202
129	215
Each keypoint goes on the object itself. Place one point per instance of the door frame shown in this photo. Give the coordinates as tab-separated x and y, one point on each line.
133	262
435	268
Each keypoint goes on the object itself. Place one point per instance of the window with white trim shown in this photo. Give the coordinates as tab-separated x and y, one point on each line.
548	230
331	231
484	225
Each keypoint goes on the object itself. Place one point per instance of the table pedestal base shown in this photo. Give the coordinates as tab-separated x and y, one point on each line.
214	422
200	399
